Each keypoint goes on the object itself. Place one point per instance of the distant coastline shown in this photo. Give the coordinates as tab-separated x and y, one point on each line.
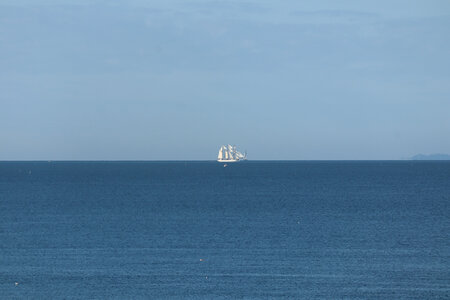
437	156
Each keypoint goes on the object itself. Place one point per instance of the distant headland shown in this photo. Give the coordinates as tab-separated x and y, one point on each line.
437	156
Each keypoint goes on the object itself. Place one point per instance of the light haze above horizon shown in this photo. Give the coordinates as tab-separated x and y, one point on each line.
175	80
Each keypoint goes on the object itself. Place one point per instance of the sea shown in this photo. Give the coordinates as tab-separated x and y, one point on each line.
203	230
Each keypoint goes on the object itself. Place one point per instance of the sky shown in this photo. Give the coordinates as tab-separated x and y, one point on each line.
174	80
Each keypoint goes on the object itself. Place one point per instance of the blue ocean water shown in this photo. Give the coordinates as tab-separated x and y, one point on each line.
253	230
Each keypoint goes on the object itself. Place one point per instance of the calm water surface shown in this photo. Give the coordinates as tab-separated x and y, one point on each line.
255	230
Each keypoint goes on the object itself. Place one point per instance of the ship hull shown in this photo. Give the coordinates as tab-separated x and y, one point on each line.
228	160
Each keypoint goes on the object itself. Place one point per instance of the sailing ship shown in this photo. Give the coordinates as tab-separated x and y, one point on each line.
229	153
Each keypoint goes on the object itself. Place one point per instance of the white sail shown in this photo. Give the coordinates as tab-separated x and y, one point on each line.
220	156
232	151
225	153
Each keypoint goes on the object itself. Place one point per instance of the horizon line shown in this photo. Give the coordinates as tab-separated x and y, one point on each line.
202	160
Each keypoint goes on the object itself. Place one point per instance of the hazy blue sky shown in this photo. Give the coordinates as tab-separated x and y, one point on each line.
176	79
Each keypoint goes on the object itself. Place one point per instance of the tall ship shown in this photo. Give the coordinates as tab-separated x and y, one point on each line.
229	153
